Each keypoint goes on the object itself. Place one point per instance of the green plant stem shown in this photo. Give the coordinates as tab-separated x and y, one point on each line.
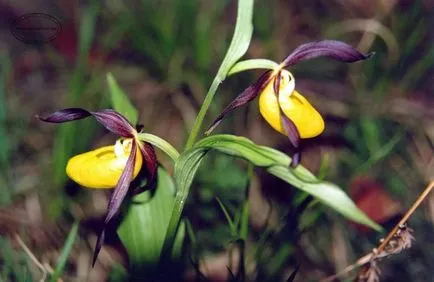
162	144
237	48
202	112
253	64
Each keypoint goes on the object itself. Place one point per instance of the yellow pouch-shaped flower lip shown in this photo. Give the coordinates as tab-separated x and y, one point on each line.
102	168
306	118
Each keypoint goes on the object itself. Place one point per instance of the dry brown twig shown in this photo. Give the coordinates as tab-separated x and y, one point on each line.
398	239
44	267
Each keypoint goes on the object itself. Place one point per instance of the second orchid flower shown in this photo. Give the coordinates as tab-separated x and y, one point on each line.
286	110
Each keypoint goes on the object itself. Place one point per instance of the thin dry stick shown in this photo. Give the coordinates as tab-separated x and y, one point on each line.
361	261
405	218
32	257
365	259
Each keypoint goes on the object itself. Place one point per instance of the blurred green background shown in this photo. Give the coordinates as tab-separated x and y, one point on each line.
378	144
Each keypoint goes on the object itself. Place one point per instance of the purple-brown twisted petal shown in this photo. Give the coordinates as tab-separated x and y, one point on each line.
294	137
276	84
150	159
245	97
117	198
289	126
327	48
110	119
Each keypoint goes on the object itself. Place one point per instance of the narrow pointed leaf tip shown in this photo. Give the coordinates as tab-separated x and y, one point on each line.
327	48
110	119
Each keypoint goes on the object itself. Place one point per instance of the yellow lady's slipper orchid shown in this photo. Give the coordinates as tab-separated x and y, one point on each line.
284	108
306	118
102	168
112	166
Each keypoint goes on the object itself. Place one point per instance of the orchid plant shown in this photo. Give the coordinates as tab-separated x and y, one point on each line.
283	107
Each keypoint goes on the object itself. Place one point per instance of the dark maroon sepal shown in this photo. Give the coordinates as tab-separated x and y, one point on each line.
245	97
111	120
117	198
327	48
65	115
115	122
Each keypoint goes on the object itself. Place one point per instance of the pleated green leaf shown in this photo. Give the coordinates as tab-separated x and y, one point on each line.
275	162
144	226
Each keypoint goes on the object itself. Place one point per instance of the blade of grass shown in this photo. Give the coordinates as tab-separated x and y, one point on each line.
232	226
279	259
5	194
4	144
244	223
194	251
66	251
380	153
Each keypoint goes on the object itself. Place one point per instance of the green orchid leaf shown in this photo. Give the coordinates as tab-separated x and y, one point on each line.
185	169
327	193
276	163
253	64
120	101
144	226
260	156
241	39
